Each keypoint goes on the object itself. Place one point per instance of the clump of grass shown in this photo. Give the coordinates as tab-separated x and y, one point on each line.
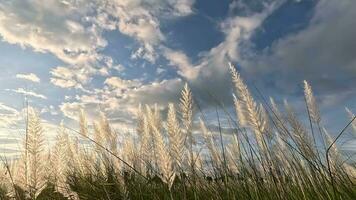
268	154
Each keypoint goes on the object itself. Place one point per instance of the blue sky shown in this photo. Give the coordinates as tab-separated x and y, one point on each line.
104	55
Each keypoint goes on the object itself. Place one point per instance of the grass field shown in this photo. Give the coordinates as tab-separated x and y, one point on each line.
268	153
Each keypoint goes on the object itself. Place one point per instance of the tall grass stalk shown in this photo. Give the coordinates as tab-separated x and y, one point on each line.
264	152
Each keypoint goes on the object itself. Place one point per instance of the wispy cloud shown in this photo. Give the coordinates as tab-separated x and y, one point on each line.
30	77
28	93
9	116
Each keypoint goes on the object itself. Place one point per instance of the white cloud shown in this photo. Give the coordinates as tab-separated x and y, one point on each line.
160	92
51	26
183	7
69	77
62	29
49	109
122	106
72	30
118	68
322	53
73	33
71	110
9	116
30	77
28	93
238	30
210	75
182	62
118	83
140	19
213	65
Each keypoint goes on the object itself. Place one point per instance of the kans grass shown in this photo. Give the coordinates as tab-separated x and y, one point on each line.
268	153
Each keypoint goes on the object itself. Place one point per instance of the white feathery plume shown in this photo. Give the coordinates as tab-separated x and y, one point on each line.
165	164
36	155
302	139
336	156
130	154
199	163
149	115
152	127
62	158
81	160
278	119
99	154
143	139
76	153
21	173
146	144
231	161
176	137
9	170
152	121
154	116
98	137
3	176
83	123
110	141
311	102
352	116
334	152
157	117
239	111
281	152
186	111
350	170
110	136
233	151
235	147
140	115
253	114
209	141
275	108
265	122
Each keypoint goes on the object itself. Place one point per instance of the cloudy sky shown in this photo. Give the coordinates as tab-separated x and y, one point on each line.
111	55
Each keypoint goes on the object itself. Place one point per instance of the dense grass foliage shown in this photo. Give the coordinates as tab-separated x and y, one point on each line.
265	153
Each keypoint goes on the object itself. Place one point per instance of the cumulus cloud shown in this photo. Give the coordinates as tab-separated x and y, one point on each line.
49	109
30	77
207	77
182	62
73	30
51	26
71	77
61	28
140	20
121	107
322	53
157	92
77	38
210	78
183	7
118	83
71	110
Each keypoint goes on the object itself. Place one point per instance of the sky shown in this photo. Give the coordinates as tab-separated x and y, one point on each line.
111	55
